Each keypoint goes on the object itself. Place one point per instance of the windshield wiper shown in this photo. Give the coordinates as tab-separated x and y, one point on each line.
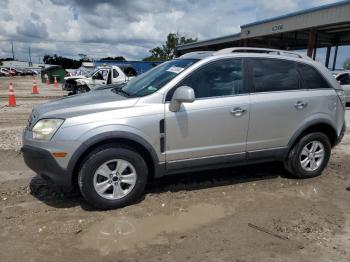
120	91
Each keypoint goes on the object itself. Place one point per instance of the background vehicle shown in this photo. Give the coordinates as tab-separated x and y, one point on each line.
344	80
12	71
104	75
201	111
4	72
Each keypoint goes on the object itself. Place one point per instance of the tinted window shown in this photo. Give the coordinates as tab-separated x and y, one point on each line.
274	75
344	79
115	73
312	78
222	78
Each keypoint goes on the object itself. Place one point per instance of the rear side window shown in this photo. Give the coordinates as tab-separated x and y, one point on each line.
312	78
115	73
270	75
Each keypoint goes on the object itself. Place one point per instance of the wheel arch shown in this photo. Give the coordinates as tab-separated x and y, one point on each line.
126	139
323	126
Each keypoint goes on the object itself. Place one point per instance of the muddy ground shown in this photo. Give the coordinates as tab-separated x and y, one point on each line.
254	213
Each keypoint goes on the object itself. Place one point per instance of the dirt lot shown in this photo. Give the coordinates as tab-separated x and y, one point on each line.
253	213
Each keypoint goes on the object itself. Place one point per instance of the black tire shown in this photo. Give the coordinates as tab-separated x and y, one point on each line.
81	89
293	163
101	155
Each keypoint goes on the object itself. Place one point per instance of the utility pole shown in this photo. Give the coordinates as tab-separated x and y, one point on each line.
13	54
30	58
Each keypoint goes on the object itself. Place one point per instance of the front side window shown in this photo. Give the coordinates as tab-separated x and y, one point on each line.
312	78
101	75
270	75
223	78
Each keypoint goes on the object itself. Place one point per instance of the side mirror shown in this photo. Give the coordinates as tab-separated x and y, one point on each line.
183	94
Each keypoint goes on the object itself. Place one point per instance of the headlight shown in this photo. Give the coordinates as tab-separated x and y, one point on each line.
44	129
81	82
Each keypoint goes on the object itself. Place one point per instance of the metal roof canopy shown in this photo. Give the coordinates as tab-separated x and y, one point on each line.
324	26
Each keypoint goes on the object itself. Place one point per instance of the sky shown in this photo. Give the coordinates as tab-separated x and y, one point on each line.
100	28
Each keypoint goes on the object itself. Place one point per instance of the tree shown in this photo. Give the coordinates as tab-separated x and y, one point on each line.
167	51
65	62
347	64
116	58
5	59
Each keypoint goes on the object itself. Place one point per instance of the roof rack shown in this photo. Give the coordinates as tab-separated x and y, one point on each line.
260	50
197	54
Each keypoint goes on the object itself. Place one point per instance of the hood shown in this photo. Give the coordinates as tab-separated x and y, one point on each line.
74	77
87	103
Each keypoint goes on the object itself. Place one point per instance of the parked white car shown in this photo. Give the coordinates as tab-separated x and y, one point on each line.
104	75
344	80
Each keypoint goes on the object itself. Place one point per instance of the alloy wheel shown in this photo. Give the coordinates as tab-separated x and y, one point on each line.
115	179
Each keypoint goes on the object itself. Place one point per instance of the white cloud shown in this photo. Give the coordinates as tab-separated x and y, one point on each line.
129	28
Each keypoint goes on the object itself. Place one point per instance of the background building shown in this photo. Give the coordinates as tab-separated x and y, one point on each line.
326	26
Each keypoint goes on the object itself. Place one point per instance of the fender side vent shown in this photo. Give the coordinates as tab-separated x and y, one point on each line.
162	126
162	144
162	135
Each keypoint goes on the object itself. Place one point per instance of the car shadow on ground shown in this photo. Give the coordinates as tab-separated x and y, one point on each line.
59	197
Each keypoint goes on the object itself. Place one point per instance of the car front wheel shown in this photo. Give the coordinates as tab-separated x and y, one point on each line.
112	177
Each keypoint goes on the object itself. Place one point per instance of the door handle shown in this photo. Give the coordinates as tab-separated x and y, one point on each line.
103	83
300	105
238	111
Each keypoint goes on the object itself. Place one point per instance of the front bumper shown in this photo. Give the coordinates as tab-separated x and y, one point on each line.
44	164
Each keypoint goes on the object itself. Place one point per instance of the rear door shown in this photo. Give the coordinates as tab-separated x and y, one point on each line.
278	103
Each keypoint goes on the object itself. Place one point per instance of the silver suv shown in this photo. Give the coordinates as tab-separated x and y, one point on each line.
203	110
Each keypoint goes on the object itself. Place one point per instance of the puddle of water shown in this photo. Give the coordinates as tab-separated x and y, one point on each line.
128	233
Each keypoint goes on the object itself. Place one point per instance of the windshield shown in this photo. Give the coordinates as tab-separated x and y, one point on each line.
92	72
156	78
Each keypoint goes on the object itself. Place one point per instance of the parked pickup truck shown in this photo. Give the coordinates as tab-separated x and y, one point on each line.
103	75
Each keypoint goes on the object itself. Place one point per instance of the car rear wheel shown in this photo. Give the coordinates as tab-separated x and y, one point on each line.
112	177
309	156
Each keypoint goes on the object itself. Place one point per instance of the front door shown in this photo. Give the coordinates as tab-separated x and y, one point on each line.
100	77
216	123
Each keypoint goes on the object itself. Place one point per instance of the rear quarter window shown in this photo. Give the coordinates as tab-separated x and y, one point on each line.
312	78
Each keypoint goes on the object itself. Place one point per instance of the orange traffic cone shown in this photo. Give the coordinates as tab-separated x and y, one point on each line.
47	82
35	87
55	83
12	98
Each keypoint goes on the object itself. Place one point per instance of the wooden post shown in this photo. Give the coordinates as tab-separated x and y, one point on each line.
328	53
314	54
335	57
244	42
312	42
315	47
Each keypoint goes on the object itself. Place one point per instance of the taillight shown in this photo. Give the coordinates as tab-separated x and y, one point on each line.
341	95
